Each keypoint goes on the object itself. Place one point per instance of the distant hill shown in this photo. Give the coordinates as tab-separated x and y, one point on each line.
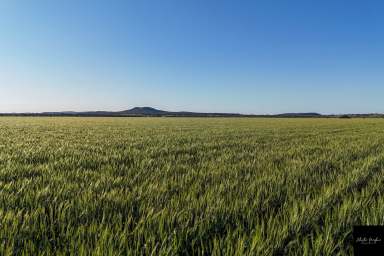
136	111
150	111
143	111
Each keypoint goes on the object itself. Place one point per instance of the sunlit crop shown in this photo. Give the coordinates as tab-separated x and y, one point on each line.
188	186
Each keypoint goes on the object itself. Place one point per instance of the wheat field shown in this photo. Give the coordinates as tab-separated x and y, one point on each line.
188	186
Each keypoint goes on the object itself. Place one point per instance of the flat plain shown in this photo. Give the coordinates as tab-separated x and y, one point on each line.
188	186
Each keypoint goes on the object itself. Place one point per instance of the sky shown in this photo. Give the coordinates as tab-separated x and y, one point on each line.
260	57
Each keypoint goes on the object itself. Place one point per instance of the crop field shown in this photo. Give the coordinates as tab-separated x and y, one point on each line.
188	186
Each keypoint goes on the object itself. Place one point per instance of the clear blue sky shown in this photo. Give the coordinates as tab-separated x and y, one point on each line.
198	55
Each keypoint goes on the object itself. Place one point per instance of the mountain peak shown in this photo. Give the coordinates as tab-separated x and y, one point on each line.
143	111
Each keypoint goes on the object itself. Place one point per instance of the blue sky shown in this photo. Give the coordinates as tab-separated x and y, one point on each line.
201	55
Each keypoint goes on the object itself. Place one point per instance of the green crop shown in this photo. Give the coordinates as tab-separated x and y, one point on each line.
188	186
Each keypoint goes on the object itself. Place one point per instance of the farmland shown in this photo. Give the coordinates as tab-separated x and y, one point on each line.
188	186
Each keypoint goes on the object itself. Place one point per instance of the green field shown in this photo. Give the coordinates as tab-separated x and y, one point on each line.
179	186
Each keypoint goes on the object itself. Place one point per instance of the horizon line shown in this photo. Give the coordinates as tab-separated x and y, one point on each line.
69	112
